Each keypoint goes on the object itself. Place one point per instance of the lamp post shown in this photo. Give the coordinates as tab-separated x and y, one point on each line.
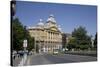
24	59
25	45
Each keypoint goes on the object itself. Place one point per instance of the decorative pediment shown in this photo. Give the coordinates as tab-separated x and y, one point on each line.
53	28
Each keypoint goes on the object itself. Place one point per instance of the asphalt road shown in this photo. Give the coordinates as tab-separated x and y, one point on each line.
41	59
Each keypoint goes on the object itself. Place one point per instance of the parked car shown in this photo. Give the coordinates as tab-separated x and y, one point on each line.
55	51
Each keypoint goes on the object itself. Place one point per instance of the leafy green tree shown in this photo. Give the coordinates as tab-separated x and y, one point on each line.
64	40
72	43
37	48
31	43
83	41
95	41
19	33
30	39
79	33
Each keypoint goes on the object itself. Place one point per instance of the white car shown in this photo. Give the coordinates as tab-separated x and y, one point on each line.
55	51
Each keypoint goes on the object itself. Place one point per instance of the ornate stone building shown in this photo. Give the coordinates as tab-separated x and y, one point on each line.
47	35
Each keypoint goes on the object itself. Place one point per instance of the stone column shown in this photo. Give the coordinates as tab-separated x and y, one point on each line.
47	43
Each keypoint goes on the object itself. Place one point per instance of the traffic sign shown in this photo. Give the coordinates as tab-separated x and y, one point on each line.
25	43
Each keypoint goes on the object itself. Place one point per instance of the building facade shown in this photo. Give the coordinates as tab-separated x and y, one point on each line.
47	35
65	39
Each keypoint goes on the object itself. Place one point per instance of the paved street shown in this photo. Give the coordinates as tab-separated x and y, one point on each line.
40	59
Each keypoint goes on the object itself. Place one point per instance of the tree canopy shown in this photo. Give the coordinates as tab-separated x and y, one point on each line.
19	33
81	40
95	41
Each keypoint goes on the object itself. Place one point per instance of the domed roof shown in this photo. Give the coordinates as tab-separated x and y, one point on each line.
51	18
31	27
40	23
51	15
59	28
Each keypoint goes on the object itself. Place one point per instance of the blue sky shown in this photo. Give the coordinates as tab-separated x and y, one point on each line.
69	16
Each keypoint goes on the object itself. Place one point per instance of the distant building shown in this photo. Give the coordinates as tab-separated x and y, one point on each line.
65	39
47	35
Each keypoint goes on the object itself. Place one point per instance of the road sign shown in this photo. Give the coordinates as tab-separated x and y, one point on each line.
25	43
